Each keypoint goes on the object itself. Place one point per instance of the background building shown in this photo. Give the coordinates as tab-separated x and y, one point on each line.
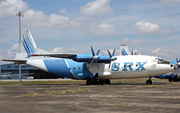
34	72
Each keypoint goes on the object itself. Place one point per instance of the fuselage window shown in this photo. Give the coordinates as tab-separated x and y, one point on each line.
74	68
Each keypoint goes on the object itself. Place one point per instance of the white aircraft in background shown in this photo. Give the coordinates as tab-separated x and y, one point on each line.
95	68
172	76
5	75
9	75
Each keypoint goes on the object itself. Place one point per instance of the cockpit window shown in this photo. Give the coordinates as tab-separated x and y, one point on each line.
161	61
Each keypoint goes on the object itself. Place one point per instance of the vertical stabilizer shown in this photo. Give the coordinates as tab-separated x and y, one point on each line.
28	46
124	50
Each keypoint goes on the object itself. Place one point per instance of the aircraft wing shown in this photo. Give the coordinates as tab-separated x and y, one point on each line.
58	55
15	61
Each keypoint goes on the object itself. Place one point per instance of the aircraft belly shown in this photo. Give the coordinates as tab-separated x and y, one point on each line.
129	74
37	63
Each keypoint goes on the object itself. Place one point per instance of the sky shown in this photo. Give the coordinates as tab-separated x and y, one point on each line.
151	27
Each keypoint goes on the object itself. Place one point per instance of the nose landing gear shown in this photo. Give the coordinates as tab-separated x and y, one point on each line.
149	81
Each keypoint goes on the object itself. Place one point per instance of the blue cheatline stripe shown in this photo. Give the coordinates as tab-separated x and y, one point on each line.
30	44
124	52
26	46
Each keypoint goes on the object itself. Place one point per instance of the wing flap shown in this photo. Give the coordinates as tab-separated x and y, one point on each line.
58	55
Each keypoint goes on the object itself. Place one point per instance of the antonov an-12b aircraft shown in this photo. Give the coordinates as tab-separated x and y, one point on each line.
95	68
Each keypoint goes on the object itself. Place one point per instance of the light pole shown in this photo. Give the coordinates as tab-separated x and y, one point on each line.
19	14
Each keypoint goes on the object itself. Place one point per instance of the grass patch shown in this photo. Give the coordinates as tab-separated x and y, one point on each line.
41	82
30	95
138	86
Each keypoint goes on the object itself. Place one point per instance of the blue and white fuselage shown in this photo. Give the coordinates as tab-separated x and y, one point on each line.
126	67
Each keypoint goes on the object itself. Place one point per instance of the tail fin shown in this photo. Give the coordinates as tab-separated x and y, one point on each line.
124	50
27	46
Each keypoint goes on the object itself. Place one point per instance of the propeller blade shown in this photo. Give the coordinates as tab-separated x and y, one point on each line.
92	51
177	60
113	52
97	64
114	64
109	54
98	52
132	52
91	62
109	64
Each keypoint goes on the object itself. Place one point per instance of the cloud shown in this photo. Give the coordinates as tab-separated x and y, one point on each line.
12	52
169	3
58	50
165	31
166	52
98	7
38	18
11	7
62	11
104	29
125	41
134	42
67	50
145	28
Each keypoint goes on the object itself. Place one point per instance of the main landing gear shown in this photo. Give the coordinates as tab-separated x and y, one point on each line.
149	81
94	81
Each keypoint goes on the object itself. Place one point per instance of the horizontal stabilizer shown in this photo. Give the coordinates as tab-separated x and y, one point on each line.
15	61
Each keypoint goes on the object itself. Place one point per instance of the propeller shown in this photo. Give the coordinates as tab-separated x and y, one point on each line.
95	57
178	64
132	52
112	58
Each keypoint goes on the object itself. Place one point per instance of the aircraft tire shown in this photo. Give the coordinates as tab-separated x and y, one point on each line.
94	82
170	80
101	81
107	81
89	82
149	82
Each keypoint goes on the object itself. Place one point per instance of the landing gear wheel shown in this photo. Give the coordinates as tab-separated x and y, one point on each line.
101	81
107	81
94	82
170	80
89	82
149	82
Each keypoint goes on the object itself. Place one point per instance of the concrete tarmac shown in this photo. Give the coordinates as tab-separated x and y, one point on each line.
129	97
